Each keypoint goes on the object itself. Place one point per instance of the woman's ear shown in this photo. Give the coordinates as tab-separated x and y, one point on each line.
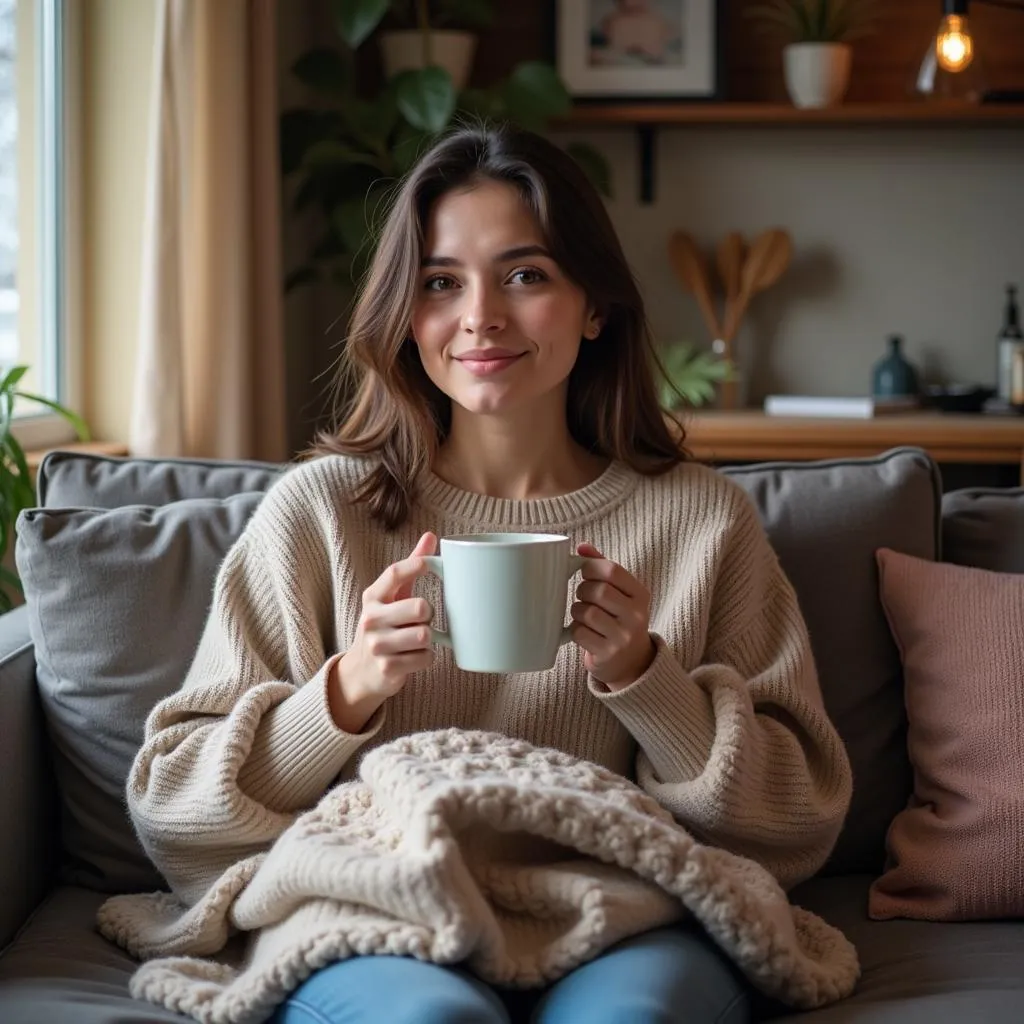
593	327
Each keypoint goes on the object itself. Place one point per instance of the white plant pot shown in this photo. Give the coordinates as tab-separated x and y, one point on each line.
453	51
817	74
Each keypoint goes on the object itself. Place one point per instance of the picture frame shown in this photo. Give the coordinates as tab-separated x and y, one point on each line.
640	49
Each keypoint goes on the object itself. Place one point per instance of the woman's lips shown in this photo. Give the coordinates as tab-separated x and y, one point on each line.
485	365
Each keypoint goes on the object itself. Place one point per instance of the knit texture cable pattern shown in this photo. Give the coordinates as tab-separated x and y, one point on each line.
442	850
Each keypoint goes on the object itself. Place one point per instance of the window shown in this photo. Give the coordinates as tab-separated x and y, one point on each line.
37	312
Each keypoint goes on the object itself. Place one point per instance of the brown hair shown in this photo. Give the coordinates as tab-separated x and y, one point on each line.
401	417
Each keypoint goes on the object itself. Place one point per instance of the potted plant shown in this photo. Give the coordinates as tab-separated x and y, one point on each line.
817	57
691	376
344	152
17	490
436	32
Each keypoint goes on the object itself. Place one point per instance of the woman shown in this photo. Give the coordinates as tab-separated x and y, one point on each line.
503	381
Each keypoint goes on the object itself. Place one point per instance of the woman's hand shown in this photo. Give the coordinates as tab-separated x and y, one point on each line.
392	641
611	621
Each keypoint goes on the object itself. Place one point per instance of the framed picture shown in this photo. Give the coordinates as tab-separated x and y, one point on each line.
639	49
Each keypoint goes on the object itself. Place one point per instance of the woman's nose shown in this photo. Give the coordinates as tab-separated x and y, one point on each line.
484	310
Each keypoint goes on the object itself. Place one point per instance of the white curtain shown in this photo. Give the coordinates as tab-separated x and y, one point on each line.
210	365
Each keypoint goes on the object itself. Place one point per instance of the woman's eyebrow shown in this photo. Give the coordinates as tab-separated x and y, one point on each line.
517	253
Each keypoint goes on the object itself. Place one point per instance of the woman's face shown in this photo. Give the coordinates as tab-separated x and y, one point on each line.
497	323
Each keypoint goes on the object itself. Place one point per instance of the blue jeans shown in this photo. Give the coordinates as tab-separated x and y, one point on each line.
664	976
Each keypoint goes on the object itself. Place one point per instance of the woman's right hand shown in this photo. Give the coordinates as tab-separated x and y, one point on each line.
392	640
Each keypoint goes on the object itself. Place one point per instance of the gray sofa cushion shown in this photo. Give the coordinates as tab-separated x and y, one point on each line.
918	972
116	599
826	521
60	970
984	527
79	480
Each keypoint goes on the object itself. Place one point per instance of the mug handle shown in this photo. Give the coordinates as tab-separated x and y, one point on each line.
575	564
434	564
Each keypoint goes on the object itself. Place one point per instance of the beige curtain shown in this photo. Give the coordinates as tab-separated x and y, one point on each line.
210	370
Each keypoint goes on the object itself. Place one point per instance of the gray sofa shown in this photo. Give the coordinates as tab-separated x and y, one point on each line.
118	561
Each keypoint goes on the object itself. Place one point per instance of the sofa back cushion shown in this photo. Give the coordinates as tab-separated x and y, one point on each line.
983	527
825	521
116	601
79	480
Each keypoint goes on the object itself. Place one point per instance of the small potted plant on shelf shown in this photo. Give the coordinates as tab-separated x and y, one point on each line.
691	376
817	57
435	32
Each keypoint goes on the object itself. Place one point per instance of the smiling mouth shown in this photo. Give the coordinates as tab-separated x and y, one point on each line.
484	365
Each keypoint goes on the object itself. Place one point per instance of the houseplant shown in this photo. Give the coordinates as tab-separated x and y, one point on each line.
345	150
17	491
690	376
441	32
817	57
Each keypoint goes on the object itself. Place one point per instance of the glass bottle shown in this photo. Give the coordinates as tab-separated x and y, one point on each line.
1009	346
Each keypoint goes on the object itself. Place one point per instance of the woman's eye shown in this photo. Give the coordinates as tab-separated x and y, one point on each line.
439	283
527	275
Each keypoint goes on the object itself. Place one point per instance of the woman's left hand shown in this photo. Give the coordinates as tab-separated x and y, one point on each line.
611	621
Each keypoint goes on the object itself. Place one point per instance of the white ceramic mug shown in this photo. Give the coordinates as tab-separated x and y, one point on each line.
504	599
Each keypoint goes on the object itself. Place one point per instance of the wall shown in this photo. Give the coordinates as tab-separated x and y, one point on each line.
909	230
118	41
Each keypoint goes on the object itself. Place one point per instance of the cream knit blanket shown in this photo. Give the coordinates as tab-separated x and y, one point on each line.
468	846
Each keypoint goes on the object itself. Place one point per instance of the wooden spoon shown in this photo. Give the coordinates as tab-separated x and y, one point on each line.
766	262
731	251
690	268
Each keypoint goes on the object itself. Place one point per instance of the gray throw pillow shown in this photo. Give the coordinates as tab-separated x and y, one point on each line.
983	527
117	600
826	520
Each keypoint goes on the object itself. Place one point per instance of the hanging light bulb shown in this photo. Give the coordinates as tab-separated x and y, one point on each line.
951	68
954	45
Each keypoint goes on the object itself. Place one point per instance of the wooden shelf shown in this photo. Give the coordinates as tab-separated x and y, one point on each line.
647	118
750	435
659	114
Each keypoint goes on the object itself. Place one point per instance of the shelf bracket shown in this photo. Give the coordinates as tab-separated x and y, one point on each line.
646	139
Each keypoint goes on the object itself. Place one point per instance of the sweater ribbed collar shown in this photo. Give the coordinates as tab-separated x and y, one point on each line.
613	486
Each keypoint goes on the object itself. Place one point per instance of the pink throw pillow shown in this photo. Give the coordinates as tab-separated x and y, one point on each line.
955	853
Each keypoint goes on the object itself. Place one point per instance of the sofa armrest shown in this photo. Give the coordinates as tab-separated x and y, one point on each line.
27	792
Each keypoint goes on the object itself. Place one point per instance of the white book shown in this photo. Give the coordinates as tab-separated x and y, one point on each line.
837	406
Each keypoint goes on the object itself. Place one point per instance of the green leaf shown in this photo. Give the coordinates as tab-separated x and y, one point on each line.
691	375
594	165
356	19
426	98
11	378
533	93
329	154
76	421
325	70
299	277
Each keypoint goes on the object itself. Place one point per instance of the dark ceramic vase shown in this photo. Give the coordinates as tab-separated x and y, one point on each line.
892	375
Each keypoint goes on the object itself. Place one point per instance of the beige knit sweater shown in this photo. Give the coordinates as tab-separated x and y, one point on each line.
726	730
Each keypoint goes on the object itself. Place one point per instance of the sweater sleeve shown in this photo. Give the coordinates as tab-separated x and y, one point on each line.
740	748
248	741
